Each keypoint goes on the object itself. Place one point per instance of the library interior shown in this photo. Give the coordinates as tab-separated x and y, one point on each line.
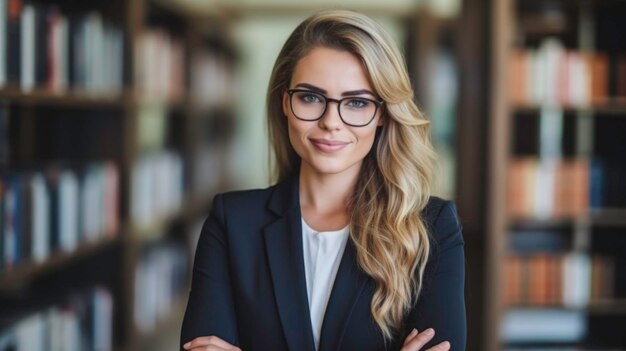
120	120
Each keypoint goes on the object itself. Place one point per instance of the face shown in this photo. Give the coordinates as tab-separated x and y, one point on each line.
327	145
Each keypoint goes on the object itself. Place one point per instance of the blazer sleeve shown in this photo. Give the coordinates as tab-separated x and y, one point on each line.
441	304
210	308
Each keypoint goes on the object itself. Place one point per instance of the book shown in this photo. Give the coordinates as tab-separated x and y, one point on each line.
551	75
13	47
3	42
543	326
83	321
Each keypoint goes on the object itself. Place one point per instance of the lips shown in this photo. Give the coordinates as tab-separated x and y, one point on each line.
327	145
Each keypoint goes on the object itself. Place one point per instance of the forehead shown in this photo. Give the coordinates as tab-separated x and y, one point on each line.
332	70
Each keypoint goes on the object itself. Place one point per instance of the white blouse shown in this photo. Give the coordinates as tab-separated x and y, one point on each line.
322	255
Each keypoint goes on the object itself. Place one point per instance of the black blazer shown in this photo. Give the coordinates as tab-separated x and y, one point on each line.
249	288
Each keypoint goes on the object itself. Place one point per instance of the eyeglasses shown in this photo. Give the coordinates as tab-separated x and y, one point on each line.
353	111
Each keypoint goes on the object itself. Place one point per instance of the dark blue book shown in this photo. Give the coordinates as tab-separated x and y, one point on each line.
53	191
14	59
2	268
596	184
12	220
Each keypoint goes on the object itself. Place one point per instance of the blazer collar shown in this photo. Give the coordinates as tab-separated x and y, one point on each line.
283	243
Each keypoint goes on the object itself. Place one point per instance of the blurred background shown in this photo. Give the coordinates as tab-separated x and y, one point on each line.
119	121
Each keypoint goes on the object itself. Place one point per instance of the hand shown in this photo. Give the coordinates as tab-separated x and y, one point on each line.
209	343
415	341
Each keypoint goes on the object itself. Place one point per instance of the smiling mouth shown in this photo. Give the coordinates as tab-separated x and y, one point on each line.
328	145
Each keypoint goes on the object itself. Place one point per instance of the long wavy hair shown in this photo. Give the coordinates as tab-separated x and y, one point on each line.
395	181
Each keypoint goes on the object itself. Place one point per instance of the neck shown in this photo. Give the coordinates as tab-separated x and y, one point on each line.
324	193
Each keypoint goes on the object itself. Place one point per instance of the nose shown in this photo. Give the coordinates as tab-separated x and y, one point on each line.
330	119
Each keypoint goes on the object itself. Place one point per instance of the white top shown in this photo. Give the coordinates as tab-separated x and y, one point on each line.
322	255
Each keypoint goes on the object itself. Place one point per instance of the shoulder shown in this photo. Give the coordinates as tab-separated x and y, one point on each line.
442	220
243	199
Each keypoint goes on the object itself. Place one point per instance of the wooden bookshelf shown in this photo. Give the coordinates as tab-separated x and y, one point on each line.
28	272
582	131
111	119
71	99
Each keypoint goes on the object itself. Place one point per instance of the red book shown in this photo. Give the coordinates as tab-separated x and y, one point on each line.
599	78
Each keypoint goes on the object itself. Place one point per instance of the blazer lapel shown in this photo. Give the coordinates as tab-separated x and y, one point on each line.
283	244
347	288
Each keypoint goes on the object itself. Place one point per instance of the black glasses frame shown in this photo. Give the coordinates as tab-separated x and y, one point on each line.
377	103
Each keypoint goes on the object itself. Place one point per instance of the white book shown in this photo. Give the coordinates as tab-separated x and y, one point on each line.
55	329
30	333
543	325
27	31
554	52
95	50
544	191
41	218
103	320
550	132
576	280
576	87
68	211
3	43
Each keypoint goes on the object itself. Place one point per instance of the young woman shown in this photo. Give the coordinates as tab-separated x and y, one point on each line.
348	251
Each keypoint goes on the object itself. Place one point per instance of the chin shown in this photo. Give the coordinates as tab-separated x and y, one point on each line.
329	166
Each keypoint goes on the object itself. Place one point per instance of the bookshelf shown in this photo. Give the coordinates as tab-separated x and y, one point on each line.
556	215
114	120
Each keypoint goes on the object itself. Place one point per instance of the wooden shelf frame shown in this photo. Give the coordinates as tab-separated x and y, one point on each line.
504	22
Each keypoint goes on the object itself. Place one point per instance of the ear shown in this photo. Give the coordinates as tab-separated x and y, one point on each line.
380	121
286	108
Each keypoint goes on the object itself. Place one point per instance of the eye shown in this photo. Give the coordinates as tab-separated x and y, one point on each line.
309	98
357	103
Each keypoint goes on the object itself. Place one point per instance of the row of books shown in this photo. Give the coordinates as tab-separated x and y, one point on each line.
570	280
160	278
549	188
84	323
543	326
554	75
160	66
212	79
56	209
157	188
553	188
41	47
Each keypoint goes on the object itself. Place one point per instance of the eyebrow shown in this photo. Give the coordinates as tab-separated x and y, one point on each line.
345	93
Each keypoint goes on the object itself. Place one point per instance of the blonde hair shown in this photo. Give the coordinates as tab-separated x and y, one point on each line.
395	180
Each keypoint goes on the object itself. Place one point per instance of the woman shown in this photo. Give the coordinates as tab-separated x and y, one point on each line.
348	251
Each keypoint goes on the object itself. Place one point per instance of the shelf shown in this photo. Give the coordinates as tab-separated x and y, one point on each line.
193	208
81	99
614	106
141	99
608	217
598	217
64	99
609	306
30	271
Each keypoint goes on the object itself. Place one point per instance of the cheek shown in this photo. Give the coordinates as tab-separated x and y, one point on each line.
366	138
297	132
